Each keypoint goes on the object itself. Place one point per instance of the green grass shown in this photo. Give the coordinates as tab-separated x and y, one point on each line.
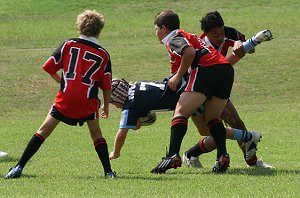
266	93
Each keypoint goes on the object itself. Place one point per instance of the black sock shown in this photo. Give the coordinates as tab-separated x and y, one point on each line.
32	147
197	149
178	130
218	132
102	151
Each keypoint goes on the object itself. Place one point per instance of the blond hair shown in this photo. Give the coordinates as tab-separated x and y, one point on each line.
90	23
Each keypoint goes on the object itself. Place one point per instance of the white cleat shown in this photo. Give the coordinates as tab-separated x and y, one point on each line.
193	162
261	164
264	35
3	154
251	145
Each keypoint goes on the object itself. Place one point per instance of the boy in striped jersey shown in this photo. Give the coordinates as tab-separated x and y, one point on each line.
221	37
86	67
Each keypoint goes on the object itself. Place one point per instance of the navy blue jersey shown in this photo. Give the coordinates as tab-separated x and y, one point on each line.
146	96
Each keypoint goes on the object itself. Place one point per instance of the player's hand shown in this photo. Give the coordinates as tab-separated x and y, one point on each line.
104	115
173	82
114	155
238	49
105	112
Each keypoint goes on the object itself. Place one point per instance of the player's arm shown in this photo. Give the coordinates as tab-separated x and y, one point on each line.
56	77
232	58
238	49
119	142
188	56
237	53
105	85
105	106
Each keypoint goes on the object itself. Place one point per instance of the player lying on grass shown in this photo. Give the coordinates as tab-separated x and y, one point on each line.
221	38
146	96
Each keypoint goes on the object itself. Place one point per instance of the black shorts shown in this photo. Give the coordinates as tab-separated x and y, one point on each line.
216	80
70	121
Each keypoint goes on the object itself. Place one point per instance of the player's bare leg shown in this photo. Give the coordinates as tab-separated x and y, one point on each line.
231	118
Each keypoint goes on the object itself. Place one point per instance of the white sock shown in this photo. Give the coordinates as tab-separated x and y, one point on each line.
250	44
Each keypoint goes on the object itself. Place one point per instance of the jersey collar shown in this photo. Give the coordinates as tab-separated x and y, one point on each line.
166	39
207	41
91	39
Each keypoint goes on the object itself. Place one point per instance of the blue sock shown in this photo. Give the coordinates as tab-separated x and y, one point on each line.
241	135
249	44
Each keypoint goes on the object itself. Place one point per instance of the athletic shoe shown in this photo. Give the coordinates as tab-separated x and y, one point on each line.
3	154
167	163
261	164
252	161
221	164
14	172
265	35
193	162
111	175
251	145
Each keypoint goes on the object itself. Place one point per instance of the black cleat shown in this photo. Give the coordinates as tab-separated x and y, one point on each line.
14	172
221	164
111	175
167	163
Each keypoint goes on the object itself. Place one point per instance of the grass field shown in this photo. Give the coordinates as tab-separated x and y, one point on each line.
266	92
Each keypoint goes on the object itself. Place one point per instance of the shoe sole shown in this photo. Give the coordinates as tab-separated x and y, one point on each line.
268	35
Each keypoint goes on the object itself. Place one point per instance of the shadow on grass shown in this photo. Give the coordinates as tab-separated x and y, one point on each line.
258	171
22	176
126	176
252	171
171	174
9	159
131	175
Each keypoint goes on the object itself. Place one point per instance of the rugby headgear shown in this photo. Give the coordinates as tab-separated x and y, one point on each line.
119	90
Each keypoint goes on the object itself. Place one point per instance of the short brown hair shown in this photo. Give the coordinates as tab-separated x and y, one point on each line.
168	18
90	23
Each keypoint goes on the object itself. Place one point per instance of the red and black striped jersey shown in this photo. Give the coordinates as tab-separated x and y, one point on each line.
205	55
231	35
86	67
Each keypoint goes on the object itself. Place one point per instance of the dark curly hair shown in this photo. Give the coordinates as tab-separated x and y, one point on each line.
211	20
